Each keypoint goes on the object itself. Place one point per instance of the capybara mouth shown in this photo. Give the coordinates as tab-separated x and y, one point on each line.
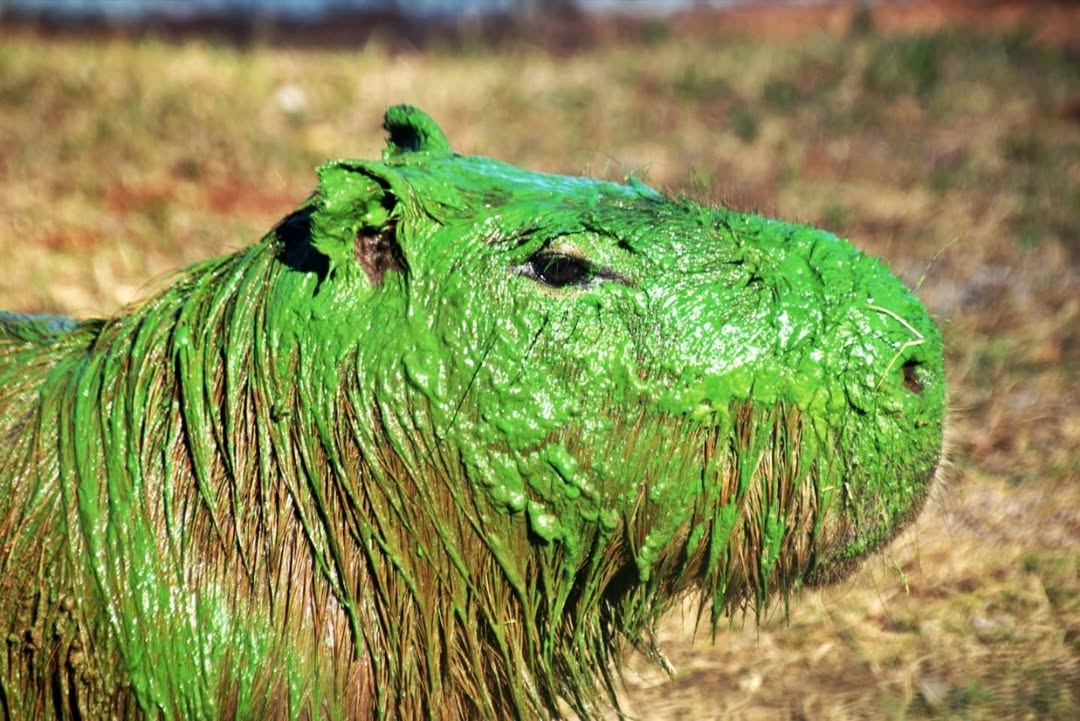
830	566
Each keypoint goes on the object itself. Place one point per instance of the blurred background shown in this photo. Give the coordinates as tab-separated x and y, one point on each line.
137	137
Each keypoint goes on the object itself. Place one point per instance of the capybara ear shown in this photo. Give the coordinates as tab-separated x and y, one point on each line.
293	232
412	131
355	220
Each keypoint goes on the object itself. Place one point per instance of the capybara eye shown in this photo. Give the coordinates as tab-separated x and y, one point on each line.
558	270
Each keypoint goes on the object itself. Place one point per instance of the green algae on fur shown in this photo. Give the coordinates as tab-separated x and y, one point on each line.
443	444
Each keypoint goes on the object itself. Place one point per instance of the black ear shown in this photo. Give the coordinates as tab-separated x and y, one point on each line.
412	131
294	235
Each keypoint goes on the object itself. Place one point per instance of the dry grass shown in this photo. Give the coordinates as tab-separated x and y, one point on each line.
953	155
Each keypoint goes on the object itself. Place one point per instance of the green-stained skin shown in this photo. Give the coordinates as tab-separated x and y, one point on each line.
443	443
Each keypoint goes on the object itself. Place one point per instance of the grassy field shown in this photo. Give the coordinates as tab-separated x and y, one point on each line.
953	154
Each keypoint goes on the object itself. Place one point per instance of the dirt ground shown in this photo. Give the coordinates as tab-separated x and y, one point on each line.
944	137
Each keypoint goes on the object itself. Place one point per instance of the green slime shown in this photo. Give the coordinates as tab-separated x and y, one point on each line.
443	443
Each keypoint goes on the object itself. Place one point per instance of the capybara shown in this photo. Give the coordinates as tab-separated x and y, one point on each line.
444	444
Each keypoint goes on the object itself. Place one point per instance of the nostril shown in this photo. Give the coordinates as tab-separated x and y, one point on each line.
911	380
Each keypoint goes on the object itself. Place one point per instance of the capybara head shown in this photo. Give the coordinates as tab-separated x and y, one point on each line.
444	443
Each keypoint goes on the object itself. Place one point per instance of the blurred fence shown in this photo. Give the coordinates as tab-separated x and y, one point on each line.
121	10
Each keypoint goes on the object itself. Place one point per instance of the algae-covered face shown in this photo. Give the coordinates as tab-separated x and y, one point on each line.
736	403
